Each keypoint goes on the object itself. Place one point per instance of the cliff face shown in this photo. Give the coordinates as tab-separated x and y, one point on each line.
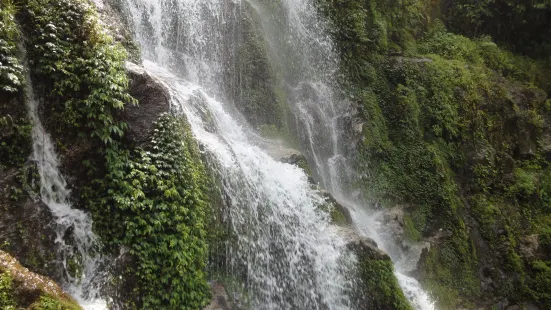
456	129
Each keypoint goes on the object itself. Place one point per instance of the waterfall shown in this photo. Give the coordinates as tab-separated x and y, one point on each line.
290	255
321	118
75	239
285	247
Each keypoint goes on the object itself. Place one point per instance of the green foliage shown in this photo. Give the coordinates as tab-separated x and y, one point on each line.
523	25
155	202
483	51
49	303
10	69
377	284
16	146
453	129
7	301
540	283
14	128
86	91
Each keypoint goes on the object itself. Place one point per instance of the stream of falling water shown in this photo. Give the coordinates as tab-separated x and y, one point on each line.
301	47
284	245
75	238
290	255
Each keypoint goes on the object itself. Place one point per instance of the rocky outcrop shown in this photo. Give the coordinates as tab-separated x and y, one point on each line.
153	101
23	289
377	286
27	231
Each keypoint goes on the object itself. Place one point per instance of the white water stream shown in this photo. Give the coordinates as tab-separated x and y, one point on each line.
75	238
301	47
291	256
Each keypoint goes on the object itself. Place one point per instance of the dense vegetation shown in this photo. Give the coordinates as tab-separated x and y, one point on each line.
154	201
14	127
454	96
456	128
524	26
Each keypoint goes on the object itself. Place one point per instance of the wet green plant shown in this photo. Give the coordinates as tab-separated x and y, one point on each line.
84	93
156	204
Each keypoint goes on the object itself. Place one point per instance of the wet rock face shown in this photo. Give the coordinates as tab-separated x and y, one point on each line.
367	249
153	101
27	231
220	299
121	285
25	222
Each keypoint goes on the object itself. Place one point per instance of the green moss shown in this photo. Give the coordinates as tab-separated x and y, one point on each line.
410	229
540	283
378	287
7	301
337	217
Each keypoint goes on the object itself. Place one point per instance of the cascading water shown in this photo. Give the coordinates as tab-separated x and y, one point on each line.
75	238
285	252
285	247
292	258
321	118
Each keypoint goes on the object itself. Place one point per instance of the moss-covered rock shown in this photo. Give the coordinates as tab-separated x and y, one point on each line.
22	289
377	286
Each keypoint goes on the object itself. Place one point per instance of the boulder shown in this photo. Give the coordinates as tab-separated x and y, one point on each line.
529	246
339	211
154	100
300	161
377	286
